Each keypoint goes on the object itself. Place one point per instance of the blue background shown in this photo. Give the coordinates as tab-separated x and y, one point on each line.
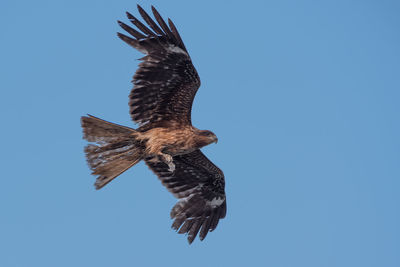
303	95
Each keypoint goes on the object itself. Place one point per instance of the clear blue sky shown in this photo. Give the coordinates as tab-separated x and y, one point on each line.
303	95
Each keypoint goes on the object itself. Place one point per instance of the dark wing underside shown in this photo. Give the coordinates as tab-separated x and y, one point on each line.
199	185
166	82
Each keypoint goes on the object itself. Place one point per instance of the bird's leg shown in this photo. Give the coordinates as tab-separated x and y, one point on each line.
167	159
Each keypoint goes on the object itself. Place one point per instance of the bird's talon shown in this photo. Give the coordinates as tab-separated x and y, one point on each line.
171	167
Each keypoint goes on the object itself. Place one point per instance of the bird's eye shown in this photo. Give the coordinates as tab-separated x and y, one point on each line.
205	133
210	134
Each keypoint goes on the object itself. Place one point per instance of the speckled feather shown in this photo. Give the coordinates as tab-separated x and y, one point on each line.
199	185
166	82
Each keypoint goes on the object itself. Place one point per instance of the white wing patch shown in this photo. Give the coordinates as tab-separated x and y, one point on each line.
216	201
176	49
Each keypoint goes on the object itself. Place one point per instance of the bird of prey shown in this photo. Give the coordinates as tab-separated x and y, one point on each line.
160	102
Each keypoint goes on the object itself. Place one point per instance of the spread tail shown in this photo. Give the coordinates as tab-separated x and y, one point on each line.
115	151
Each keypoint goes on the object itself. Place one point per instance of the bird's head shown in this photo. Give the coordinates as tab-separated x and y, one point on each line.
206	137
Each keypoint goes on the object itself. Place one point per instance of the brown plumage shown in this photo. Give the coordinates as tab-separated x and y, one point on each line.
160	102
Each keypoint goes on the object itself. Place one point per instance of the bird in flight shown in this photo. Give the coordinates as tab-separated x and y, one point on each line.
161	100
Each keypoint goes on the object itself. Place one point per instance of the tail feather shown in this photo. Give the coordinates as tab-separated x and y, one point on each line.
98	130
116	150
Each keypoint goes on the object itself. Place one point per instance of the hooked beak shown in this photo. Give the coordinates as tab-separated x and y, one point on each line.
215	139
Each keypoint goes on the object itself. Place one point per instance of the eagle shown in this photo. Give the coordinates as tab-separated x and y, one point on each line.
160	102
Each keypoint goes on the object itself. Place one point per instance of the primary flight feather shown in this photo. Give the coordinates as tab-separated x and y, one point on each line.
160	102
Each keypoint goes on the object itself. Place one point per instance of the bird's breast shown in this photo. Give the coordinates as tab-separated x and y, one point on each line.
170	141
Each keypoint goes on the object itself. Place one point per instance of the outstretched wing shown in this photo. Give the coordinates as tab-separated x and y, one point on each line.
166	82
199	185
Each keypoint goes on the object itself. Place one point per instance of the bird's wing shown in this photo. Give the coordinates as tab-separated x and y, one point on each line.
166	82
199	186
